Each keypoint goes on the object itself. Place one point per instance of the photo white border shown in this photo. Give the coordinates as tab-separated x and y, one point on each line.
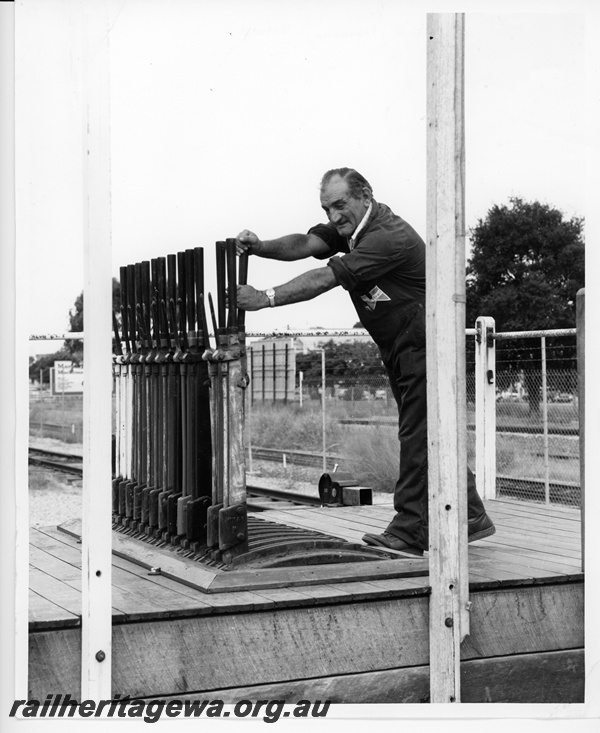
14	427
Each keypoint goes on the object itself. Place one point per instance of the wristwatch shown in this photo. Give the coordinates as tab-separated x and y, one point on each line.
270	293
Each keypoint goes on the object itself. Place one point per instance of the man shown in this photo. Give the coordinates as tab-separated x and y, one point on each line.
382	266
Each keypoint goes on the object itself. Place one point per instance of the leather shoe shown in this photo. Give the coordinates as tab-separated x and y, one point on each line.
480	527
392	543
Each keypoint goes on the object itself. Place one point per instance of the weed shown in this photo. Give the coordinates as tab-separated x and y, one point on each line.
284	426
373	457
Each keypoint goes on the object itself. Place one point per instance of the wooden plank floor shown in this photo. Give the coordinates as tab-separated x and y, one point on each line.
531	540
533	544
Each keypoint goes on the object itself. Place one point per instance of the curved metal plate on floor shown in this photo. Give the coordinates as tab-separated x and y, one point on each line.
271	545
275	545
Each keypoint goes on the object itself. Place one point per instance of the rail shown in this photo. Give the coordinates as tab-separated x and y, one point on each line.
56	461
71	463
549	333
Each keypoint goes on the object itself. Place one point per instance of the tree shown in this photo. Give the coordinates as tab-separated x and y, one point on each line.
75	347
346	364
525	268
41	367
72	349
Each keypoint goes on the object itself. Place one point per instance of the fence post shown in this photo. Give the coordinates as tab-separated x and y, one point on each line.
63	415
264	372
581	390
251	385
323	410
545	422
247	413
285	375
485	407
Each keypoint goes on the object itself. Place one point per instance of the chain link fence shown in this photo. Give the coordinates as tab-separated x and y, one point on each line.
537	420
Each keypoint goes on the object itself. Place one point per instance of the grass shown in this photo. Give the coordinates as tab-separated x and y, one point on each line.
43	480
522	457
373	457
291	426
372	453
519	414
51	411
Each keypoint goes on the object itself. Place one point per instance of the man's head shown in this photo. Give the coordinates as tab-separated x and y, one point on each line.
345	198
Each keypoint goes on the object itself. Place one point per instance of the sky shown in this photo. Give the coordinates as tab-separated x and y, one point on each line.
226	113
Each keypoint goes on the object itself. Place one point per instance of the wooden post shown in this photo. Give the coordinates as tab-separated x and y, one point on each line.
323	419
485	407
285	374
274	353
264	371
251	376
581	391
96	621
446	386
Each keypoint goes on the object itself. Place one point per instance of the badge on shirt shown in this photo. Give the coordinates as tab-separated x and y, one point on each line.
375	294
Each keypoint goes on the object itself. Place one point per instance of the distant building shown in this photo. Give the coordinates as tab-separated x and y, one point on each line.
272	360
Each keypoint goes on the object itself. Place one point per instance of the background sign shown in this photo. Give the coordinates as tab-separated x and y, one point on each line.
66	378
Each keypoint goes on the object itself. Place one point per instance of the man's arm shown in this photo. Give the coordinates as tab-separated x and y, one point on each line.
304	287
289	247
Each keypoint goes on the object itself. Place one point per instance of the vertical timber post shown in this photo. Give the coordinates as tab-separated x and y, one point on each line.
285	374
264	371
274	373
96	621
581	391
485	407
251	375
323	417
446	382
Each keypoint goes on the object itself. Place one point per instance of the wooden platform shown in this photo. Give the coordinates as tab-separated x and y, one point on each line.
353	632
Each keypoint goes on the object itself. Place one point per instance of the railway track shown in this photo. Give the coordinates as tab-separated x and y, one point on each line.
278	495
295	457
73	465
57	461
507	486
569	432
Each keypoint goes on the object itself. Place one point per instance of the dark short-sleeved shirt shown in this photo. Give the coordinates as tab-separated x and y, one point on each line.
384	272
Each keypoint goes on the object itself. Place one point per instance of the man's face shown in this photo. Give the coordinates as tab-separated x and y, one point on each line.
343	211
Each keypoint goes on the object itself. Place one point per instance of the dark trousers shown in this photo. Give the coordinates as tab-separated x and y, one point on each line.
406	367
